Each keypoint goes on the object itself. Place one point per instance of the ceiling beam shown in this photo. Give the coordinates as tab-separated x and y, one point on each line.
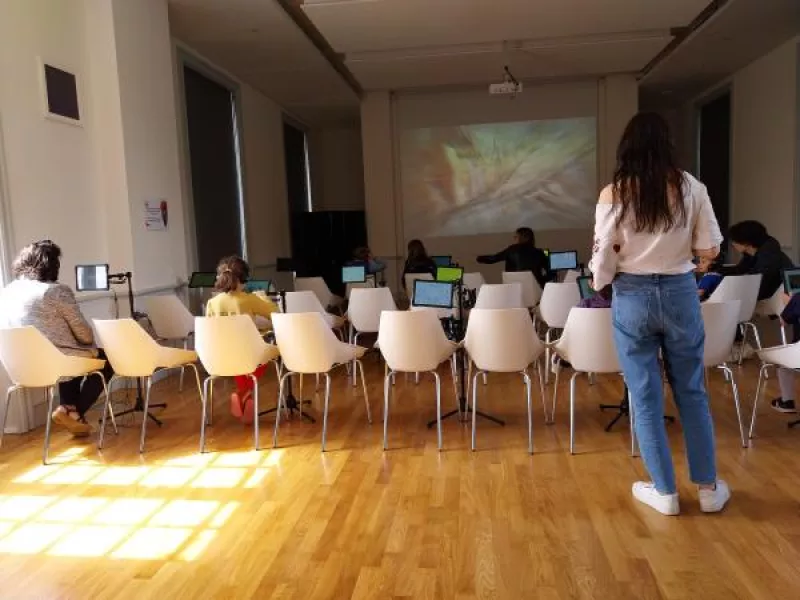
293	9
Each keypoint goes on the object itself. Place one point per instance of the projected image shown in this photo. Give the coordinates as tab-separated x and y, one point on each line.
493	178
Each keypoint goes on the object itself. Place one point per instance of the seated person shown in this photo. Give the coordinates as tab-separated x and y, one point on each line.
363	256
708	278
36	298
232	274
523	255
786	377
418	260
761	253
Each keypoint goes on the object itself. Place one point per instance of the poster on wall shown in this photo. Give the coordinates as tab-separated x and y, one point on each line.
156	215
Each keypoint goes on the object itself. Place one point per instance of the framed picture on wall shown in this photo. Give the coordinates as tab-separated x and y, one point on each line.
60	93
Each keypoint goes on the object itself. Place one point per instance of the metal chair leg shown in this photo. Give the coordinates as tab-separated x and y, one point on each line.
149	385
106	407
387	386
547	353
572	413
735	390
541	389
555	395
325	414
438	407
527	379
761	373
9	393
50	395
281	392
204	415
364	386
256	432
474	407
743	330
355	375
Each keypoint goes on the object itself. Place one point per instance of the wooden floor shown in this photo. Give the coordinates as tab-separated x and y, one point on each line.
356	522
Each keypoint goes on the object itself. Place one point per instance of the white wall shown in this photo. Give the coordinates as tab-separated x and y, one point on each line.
337	168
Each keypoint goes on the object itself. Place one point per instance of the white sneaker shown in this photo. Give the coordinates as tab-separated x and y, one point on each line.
714	500
646	493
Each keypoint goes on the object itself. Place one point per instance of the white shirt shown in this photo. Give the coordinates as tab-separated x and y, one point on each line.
643	253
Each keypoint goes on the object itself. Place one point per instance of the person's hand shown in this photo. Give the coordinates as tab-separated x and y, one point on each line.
786	298
591	284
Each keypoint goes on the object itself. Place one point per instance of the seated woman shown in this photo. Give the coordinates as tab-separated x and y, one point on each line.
35	298
232	274
418	260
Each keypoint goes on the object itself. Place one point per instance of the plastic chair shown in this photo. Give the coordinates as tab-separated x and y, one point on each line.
413	342
588	343
500	295
308	346
474	281
531	290
229	347
320	289
32	361
504	341
743	288
558	299
571	276
773	307
719	320
133	353
788	357
410	278
171	321
364	312
307	302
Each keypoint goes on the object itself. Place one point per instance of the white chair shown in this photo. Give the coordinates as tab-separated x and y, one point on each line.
308	346
557	300
413	342
133	353
500	295
531	290
364	312
788	357
588	344
719	320
410	278
773	307
504	341
32	361
743	288
230	347
474	281
171	321
307	302
571	276
320	289
368	284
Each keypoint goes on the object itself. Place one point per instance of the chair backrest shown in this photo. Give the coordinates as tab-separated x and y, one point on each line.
228	346
412	341
366	306
772	306
317	286
169	316
571	276
30	359
588	341
557	300
502	340
410	278
743	288
531	291
368	284
306	342
474	281
719	320
129	348
303	302
500	295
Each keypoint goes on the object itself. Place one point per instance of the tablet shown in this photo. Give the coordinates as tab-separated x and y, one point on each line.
91	278
563	261
354	274
434	294
791	281
258	285
585	286
201	279
449	274
442	261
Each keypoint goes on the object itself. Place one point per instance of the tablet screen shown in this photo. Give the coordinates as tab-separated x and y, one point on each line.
91	278
563	261
436	294
355	274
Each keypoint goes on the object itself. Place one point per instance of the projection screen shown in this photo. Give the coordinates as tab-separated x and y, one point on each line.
494	177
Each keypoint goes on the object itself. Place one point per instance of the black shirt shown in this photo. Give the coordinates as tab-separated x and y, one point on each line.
522	257
769	260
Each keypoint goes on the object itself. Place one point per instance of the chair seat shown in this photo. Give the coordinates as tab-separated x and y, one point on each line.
784	356
175	357
76	366
347	352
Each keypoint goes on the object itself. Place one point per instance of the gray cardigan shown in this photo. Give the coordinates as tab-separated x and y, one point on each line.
52	309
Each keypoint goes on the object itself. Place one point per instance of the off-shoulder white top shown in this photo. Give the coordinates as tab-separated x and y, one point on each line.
643	253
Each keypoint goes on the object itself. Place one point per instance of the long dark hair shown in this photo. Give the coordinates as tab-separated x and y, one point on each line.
231	271
647	181
416	251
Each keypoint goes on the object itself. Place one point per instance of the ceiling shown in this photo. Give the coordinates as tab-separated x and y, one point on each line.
257	42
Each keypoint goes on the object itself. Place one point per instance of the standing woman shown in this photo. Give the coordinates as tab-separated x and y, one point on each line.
650	222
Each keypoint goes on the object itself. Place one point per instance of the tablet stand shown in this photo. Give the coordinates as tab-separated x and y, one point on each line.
290	402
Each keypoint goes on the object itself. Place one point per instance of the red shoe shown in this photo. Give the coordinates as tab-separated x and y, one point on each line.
236	405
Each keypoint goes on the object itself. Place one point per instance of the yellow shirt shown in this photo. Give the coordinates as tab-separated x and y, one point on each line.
240	303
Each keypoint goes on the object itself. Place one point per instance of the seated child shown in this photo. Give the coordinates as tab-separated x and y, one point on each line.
786	377
708	280
232	274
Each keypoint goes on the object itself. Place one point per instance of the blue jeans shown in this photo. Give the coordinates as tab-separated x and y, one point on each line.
662	312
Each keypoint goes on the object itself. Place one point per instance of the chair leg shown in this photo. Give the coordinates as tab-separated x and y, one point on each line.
572	413
149	386
50	396
547	352
204	415
106	406
387	386
527	379
555	395
469	383
474	408
756	334
355	375
199	386
454	378
325	414
183	368
735	391
364	386
281	386
416	378
256	432
761	373
743	330
9	393
438	407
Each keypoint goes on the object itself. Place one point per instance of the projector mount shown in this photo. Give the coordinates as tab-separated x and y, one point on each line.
510	86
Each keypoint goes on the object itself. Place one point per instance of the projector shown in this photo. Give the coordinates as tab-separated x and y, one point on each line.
507	88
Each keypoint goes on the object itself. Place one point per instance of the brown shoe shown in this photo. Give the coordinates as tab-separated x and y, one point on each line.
74	426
